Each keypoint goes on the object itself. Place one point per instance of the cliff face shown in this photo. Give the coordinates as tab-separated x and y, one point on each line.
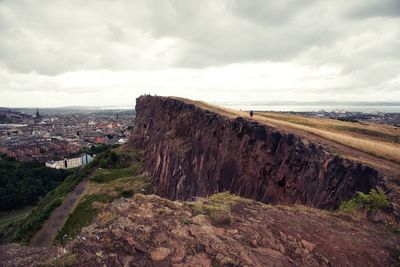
190	152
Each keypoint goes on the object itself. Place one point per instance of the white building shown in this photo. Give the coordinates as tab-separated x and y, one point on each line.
84	159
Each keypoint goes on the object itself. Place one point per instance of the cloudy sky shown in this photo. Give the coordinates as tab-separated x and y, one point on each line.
108	52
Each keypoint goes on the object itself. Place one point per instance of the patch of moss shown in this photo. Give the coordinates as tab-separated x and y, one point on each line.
218	207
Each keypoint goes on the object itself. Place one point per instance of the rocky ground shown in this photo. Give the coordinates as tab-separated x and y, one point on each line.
16	255
223	230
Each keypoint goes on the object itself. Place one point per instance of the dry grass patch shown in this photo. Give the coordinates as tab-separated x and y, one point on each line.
106	218
218	207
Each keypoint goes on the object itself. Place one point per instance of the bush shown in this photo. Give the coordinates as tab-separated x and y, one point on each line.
373	201
23	184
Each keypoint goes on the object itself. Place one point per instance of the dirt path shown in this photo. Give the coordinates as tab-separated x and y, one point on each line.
46	235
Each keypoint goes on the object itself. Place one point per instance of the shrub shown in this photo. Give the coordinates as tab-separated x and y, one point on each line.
373	201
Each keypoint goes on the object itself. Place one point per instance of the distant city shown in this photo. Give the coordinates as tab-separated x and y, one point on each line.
56	134
53	134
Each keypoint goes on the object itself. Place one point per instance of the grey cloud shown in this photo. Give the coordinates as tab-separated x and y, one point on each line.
60	36
269	12
375	8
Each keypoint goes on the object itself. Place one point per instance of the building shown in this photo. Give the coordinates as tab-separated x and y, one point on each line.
84	159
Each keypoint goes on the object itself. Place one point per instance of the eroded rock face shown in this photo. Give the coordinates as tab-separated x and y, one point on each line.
190	152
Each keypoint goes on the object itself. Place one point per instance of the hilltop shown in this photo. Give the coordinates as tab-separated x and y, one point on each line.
292	195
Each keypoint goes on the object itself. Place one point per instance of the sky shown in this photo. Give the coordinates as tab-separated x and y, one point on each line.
108	52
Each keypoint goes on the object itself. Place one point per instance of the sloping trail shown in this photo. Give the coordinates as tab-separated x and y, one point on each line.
45	236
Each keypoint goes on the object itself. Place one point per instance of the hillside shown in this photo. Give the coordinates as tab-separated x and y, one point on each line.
223	230
230	190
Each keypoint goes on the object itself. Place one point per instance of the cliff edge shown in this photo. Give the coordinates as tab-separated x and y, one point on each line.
194	151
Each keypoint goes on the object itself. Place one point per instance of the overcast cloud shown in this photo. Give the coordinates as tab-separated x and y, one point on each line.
108	52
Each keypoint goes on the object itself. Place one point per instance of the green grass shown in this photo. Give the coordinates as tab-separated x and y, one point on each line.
117	164
82	216
120	178
13	217
121	174
373	201
84	213
108	175
126	186
23	230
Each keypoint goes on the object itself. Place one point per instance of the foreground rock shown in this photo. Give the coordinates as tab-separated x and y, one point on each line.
226	230
15	255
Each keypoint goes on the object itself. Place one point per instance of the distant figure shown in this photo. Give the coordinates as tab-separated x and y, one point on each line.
251	113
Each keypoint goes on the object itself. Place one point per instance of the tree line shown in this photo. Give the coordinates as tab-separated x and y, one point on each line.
24	183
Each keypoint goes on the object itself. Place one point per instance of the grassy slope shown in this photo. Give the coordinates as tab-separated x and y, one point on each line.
23	230
13	217
107	184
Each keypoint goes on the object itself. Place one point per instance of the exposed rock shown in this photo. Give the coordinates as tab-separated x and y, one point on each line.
144	235
158	254
15	255
308	245
200	243
190	151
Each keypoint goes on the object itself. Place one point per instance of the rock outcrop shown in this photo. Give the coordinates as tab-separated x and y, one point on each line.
222	230
190	151
151	231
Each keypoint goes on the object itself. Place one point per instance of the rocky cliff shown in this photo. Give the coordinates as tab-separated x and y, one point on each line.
191	151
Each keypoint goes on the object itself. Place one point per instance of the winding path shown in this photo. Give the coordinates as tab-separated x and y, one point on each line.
45	236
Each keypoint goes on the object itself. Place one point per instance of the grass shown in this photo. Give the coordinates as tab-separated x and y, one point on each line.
218	207
85	211
107	175
118	163
119	179
373	201
6	217
338	131
23	230
13	217
82	216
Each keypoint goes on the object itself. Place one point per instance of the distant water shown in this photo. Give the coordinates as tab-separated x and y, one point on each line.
304	108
